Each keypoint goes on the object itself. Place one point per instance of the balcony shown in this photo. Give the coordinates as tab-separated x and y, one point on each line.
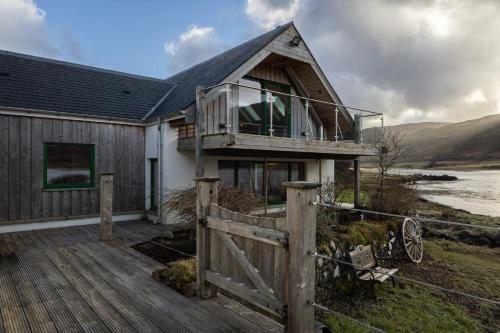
245	120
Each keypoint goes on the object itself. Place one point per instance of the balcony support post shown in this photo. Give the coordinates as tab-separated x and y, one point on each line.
358	128
228	109
308	133
200	106
336	124
270	100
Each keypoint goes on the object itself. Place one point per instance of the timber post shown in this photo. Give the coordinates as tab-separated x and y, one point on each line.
106	203
199	125
357	183
206	193
358	128
301	210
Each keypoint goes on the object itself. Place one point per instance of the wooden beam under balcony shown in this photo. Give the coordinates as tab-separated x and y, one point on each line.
259	145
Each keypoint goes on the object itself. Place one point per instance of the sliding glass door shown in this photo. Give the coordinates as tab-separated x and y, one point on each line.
263	178
255	108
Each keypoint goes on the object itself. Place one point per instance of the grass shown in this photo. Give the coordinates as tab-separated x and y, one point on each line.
470	269
407	310
413	308
436	210
347	196
464	165
477	268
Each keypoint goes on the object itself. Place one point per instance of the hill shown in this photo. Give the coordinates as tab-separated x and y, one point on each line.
471	140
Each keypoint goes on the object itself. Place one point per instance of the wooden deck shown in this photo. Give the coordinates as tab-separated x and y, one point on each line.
65	280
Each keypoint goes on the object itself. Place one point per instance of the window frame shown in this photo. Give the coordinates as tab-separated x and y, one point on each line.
91	184
235	164
265	104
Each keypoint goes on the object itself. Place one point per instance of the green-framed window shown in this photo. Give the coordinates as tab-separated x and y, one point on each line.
254	108
68	165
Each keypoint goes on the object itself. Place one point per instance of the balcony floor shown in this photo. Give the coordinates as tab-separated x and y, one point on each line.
260	145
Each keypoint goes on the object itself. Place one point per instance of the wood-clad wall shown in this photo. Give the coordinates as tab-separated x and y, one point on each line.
118	149
215	109
270	73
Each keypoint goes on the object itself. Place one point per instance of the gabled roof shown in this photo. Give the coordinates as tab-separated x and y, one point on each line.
211	72
43	84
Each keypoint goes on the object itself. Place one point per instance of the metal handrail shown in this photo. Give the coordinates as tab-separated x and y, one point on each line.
270	100
292	95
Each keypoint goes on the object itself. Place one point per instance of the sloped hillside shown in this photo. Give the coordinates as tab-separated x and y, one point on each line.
477	139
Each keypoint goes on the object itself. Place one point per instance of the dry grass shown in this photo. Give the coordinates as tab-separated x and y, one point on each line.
397	197
183	202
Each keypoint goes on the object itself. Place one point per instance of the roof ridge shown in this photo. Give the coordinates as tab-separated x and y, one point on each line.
284	26
81	66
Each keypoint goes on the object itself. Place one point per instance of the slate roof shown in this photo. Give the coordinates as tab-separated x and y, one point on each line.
212	71
50	85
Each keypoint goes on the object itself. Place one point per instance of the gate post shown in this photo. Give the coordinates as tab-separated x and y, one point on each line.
206	193
301	225
106	205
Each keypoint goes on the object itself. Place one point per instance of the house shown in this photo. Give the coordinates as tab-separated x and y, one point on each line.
266	114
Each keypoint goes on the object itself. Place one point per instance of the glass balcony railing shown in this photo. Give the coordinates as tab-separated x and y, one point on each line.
250	107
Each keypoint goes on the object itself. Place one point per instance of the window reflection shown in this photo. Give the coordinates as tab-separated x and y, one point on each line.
68	164
249	175
251	111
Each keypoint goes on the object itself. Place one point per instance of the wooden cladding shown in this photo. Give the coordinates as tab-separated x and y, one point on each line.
266	263
119	149
186	131
254	257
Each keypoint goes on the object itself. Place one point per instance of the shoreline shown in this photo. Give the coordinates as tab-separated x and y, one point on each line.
451	165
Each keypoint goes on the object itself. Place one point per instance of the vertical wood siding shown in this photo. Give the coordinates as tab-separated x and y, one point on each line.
215	108
118	149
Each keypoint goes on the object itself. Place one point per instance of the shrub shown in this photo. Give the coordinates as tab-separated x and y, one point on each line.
397	198
178	274
183	202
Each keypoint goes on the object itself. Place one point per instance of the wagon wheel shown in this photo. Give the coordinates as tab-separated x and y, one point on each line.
412	240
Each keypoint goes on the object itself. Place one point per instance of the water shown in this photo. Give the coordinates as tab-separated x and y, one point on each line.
477	192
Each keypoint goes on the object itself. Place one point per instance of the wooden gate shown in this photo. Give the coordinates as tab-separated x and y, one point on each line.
248	258
265	263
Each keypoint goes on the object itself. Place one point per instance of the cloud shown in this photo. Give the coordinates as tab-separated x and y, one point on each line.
475	96
269	14
192	46
23	29
413	60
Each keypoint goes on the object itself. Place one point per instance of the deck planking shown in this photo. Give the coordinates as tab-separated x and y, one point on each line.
66	280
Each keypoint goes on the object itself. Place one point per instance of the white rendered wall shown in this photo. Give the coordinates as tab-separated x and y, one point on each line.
327	169
313	172
178	168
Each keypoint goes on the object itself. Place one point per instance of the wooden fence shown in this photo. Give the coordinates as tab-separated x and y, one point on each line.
264	262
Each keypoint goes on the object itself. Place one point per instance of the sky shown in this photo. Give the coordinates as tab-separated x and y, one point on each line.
414	60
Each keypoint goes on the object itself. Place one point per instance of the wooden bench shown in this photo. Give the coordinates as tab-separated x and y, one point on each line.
366	267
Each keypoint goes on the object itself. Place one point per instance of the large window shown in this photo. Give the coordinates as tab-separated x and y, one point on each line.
68	165
254	108
260	177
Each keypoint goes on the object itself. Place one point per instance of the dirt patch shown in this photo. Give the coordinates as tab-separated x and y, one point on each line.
165	249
